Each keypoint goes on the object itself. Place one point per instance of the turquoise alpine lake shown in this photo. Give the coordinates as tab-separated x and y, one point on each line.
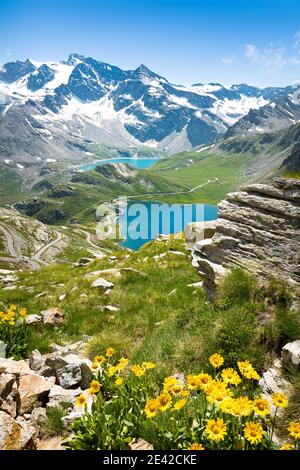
143	221
140	163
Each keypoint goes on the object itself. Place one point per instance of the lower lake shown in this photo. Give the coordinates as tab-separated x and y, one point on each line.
142	221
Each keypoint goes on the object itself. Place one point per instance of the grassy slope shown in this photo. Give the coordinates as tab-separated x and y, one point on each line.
80	206
178	330
206	167
10	186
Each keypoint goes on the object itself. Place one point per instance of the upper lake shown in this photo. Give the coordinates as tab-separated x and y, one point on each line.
140	163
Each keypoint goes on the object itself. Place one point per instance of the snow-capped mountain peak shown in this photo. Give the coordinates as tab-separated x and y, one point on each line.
101	102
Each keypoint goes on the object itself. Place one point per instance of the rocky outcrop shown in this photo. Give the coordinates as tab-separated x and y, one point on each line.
28	388
258	229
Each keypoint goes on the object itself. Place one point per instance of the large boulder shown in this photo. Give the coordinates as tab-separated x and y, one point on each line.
33	388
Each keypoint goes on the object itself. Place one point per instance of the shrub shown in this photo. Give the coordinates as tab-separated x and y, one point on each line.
279	293
288	324
236	332
217	410
111	337
237	287
53	424
14	331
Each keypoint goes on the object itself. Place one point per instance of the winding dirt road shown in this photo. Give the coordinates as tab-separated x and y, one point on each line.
15	252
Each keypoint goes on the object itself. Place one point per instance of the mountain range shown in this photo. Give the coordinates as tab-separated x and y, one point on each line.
55	111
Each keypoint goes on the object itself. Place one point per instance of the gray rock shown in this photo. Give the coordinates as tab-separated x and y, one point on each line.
38	415
111	308
290	353
82	262
9	406
58	395
34	318
41	294
71	417
85	368
103	284
272	380
53	316
56	362
69	376
36	360
17	368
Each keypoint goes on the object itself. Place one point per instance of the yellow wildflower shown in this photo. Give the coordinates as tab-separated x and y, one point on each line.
228	405
112	370
119	381
23	312
193	382
176	389
149	365
242	406
99	359
164	401
216	360
196	446
217	392
151	408
261	406
253	432
94	366
294	429
216	429
204	380
287	446
138	370
185	393
110	352
280	400
94	387
180	404
230	376
81	400
247	370
13	307
122	363
169	383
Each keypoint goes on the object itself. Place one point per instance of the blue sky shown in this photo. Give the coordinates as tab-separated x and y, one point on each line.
188	41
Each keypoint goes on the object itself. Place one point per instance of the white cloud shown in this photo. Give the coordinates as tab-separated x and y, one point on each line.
297	41
227	60
269	57
272	57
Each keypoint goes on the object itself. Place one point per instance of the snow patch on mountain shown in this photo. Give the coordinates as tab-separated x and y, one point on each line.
230	111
